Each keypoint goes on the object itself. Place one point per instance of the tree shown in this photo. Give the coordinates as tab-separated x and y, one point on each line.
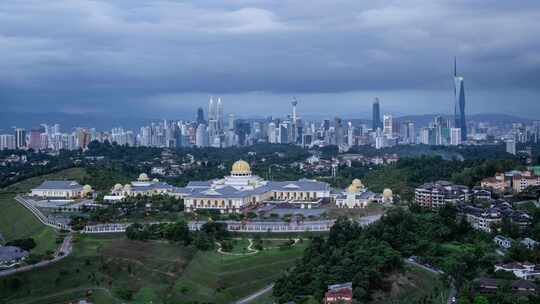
217	231
257	242
25	244
136	231
203	242
480	300
177	232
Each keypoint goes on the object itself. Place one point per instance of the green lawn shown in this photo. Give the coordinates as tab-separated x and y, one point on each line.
218	278
24	186
110	266
240	246
17	222
274	243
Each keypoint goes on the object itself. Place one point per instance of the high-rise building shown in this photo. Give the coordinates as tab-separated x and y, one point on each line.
219	113
272	136
201	137
7	141
20	138
459	107
511	146
35	138
441	127
231	122
407	132
455	136
338	130
379	141
350	134
283	133
200	116
427	136
388	125
83	138
376	114
294	123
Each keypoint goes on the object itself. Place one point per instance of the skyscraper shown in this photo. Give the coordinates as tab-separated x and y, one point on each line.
219	114
455	136
338	130
35	138
294	128
201	137
388	125
459	107
20	138
272	138
200	116
376	114
7	141
511	146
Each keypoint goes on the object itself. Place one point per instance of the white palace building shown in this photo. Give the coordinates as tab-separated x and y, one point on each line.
232	193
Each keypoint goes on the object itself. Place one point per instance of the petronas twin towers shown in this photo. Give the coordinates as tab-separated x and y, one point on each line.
215	113
459	107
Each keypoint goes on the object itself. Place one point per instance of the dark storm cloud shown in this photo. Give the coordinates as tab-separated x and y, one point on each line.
170	55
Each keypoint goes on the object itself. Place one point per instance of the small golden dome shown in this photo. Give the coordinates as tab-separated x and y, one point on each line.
118	187
352	189
357	183
387	193
355	186
241	167
143	177
87	188
127	187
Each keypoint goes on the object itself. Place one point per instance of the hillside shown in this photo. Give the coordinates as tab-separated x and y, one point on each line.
17	222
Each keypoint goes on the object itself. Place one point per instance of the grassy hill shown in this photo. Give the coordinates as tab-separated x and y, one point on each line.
17	222
218	278
116	268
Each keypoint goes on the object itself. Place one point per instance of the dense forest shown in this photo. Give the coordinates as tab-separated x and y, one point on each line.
366	256
347	255
408	173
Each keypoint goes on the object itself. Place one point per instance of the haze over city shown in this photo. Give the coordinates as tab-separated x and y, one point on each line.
166	58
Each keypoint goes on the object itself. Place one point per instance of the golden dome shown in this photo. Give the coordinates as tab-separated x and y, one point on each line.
155	180
357	183
87	188
127	187
143	177
387	193
355	186
352	189
241	167
118	187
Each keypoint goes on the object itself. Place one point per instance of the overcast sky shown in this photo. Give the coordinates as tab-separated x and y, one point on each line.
165	58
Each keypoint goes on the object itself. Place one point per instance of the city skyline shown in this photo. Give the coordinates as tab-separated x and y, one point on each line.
136	58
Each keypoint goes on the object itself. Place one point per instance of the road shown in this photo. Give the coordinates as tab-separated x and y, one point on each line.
432	270
255	295
62	252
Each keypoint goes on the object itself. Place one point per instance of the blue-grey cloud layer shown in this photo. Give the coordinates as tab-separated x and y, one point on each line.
168	56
